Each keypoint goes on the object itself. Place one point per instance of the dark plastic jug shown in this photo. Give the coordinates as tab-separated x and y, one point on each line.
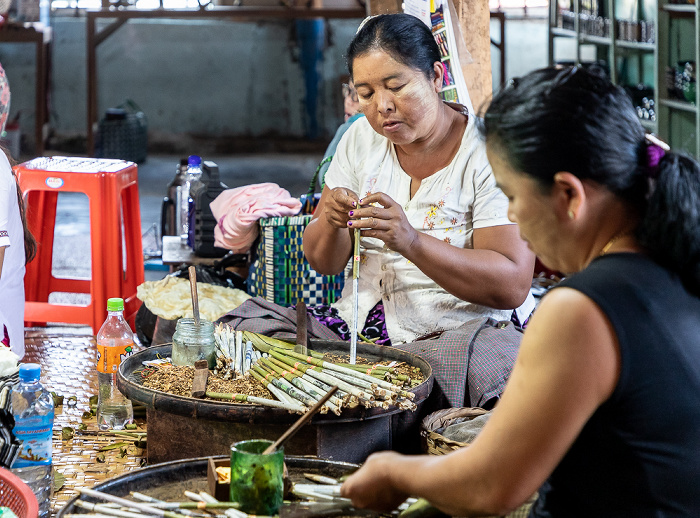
203	193
168	226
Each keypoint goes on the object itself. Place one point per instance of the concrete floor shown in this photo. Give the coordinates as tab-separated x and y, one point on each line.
72	245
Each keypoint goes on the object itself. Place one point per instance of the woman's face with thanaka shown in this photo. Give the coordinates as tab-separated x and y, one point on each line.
399	102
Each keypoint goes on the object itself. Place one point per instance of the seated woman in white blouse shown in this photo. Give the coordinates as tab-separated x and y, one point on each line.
437	246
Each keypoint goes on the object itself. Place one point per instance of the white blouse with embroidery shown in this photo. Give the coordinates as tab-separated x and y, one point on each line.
448	205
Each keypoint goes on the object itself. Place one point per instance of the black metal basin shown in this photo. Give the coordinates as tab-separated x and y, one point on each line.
168	480
183	427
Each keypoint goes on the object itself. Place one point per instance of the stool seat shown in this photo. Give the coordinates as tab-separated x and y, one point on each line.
116	252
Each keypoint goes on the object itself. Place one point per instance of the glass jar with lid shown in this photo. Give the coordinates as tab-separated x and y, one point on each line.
192	342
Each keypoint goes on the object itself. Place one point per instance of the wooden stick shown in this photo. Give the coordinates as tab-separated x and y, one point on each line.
193	287
300	422
201	375
302	337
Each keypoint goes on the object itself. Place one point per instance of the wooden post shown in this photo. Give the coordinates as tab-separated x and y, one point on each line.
383	7
474	19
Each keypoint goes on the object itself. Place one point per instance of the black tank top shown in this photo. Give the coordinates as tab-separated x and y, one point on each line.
639	454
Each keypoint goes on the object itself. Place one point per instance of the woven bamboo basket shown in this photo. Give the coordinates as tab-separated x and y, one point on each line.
436	444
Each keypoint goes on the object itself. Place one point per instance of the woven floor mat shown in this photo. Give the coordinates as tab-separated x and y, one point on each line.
67	359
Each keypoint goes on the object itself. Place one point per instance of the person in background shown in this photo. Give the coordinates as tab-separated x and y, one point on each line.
437	246
17	245
351	107
602	411
351	103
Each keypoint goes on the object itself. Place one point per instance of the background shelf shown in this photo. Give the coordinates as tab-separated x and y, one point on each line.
675	29
679	105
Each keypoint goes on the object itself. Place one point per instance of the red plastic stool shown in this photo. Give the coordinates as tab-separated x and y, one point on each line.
115	234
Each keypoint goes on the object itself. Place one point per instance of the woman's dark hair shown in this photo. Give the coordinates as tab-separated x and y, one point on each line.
407	39
573	119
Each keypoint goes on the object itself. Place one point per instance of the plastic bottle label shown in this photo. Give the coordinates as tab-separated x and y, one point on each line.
109	357
191	223
36	434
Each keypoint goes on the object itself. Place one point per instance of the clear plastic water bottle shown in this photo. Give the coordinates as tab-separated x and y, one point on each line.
44	12
115	341
32	408
185	202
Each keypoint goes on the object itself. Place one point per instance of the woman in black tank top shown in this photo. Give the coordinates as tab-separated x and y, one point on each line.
601	415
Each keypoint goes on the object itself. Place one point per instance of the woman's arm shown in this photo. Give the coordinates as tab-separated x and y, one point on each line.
562	375
496	273
2	258
327	241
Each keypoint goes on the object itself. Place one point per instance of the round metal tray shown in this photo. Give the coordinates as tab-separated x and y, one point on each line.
239	412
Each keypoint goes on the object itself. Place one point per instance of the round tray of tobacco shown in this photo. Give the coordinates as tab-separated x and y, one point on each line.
180	425
169	480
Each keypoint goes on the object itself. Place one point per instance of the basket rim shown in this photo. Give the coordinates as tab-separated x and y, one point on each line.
23	489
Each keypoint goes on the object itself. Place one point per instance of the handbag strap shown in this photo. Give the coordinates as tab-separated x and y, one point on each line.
314	180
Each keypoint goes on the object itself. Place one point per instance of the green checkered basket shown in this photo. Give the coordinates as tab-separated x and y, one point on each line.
280	273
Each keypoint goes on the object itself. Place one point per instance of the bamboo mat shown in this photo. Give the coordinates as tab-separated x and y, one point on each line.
67	359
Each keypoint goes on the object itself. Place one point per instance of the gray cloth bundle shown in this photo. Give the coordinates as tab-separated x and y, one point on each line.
466	431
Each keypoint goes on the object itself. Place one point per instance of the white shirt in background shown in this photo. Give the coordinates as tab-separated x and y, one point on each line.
12	277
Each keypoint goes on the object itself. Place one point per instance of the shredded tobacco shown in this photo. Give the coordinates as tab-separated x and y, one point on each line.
177	380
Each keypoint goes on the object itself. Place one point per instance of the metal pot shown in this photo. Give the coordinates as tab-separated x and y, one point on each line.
181	427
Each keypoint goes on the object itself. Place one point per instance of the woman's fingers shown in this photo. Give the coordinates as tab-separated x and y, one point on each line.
341	201
370	222
379	216
345	199
369	487
375	211
377	198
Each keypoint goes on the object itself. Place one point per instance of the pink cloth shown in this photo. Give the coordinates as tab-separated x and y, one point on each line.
237	212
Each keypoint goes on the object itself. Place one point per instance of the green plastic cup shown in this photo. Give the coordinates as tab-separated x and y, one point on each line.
256	479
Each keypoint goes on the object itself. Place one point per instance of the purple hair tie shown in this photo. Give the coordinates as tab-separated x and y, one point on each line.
656	149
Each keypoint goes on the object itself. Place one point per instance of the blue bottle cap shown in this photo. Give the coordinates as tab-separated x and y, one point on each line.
194	160
29	371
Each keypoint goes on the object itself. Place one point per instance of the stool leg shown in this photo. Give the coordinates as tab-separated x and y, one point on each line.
41	218
134	275
105	236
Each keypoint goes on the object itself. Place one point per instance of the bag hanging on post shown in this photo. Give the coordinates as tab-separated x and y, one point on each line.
279	272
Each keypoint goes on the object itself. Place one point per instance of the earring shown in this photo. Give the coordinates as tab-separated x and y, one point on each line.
570	213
